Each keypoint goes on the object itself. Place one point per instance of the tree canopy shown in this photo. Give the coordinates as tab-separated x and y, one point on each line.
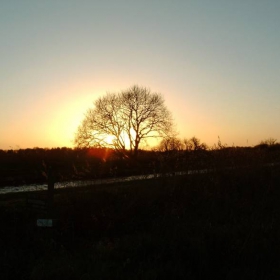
124	120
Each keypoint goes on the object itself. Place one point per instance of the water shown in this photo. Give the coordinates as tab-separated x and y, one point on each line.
83	183
72	184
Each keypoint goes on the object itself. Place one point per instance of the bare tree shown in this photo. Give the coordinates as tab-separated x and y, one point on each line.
194	144
170	144
123	120
269	142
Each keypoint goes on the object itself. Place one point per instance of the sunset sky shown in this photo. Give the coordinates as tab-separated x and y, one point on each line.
217	64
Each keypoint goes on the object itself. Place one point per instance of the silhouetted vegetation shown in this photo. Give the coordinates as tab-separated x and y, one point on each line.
18	167
27	166
220	217
124	120
223	224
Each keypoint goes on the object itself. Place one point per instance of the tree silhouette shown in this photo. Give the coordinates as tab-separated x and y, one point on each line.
123	120
170	144
194	144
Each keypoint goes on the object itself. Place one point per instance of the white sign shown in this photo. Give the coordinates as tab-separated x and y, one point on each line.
44	222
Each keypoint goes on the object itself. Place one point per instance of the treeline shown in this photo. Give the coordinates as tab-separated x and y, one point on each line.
27	166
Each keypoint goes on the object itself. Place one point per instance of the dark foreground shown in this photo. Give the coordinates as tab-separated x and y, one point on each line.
225	224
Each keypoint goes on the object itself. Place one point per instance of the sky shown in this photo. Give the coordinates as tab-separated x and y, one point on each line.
217	64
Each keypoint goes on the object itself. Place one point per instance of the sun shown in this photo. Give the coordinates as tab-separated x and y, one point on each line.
109	140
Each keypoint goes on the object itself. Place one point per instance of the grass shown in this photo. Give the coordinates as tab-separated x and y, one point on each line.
223	224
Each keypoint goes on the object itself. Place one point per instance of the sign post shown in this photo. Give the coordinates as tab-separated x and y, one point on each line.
50	189
43	204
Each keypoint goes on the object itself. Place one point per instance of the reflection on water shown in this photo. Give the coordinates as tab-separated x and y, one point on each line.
74	184
71	184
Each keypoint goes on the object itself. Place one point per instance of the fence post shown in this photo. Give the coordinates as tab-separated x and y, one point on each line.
51	182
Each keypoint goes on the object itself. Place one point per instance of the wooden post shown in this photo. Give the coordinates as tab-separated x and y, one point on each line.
42	204
51	182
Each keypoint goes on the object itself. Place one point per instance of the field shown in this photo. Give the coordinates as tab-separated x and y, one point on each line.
223	224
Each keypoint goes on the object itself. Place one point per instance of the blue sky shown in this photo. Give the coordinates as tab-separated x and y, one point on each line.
217	63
